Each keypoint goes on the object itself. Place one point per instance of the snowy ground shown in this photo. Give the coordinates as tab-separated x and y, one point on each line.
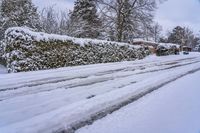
69	98
174	108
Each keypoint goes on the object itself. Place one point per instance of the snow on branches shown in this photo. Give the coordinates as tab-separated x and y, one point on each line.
26	50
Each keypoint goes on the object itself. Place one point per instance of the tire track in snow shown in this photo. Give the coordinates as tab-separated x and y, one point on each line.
111	109
61	79
84	82
127	84
35	83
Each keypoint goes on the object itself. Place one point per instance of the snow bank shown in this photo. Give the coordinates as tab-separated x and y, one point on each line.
26	50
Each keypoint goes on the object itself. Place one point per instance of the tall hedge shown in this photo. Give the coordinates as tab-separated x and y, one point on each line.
26	50
2	60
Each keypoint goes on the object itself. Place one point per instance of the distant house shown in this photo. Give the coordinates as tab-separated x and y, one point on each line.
167	49
158	48
151	45
197	48
186	48
143	42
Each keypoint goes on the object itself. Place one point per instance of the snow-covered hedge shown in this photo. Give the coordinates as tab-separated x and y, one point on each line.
1	49
26	50
2	60
167	49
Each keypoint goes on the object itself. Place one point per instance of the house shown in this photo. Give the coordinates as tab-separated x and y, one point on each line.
167	49
197	48
186	48
151	45
158	48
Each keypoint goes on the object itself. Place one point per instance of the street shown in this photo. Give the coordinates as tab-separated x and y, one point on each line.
173	108
68	99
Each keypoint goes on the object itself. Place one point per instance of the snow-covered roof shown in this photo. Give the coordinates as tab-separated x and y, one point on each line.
169	45
186	47
139	40
151	43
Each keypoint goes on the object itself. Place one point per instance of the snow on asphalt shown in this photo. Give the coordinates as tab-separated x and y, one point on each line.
55	100
173	108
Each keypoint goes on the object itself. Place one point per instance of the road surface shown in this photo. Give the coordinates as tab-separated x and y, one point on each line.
173	108
67	99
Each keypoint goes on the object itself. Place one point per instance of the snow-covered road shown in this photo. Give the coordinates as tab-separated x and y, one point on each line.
69	98
174	108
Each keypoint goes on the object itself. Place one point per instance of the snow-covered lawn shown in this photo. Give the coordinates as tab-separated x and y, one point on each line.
54	100
174	108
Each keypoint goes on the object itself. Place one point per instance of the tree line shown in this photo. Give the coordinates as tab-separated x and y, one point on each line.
183	36
115	20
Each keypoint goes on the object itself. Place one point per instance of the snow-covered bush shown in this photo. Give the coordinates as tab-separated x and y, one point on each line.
26	50
2	60
1	49
167	49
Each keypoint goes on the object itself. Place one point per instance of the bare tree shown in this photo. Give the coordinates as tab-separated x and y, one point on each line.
49	20
64	23
128	18
157	29
55	22
183	36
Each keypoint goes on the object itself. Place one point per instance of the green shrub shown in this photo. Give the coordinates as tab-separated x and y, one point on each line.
25	50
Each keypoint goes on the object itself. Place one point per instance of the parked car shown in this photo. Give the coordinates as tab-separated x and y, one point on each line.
185	52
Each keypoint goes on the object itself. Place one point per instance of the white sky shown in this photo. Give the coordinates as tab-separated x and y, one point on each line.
179	12
169	14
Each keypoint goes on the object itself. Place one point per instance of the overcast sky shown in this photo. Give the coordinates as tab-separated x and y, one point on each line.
169	14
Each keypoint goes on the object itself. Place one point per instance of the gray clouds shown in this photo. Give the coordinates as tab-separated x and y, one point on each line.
170	14
59	4
179	12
